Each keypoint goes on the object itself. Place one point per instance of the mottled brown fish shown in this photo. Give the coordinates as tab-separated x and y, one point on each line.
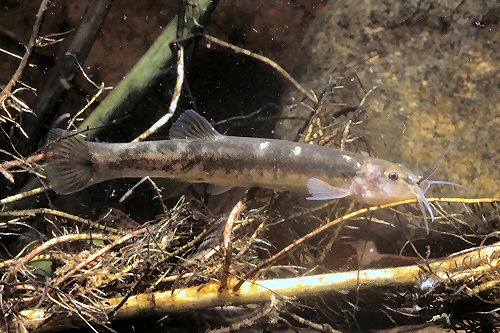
197	153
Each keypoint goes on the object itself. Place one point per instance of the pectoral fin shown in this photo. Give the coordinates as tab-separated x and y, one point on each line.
321	190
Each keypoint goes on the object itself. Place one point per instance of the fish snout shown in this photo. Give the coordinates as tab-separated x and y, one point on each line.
418	181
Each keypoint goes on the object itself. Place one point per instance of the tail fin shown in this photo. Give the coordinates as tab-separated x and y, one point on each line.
69	164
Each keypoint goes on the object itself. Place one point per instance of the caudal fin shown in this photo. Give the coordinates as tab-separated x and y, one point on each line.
69	164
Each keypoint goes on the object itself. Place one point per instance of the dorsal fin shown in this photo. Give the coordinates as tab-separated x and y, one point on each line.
191	125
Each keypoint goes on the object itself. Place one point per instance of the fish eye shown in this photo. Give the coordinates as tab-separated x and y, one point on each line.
393	176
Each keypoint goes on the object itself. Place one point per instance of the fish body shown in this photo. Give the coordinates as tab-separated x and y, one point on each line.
227	161
197	153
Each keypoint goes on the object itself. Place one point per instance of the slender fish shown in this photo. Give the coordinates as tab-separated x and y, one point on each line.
197	153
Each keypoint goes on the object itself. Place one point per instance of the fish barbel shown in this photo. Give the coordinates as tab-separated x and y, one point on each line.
197	153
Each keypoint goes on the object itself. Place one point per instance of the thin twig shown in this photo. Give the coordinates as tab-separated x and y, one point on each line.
345	133
164	260
315	326
145	72
23	195
163	120
448	270
99	253
132	189
464	268
6	92
308	93
82	264
293	246
48	211
94	98
18	162
47	245
22	162
175	98
226	244
63	73
160	197
233	216
41	257
270	310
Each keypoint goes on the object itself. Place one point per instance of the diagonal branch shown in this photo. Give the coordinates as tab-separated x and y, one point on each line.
29	49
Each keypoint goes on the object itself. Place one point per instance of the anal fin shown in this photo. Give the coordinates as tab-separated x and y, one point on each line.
214	189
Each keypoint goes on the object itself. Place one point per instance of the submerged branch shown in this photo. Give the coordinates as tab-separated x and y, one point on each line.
293	246
144	73
457	269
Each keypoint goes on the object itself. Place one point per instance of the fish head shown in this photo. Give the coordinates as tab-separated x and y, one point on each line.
380	182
